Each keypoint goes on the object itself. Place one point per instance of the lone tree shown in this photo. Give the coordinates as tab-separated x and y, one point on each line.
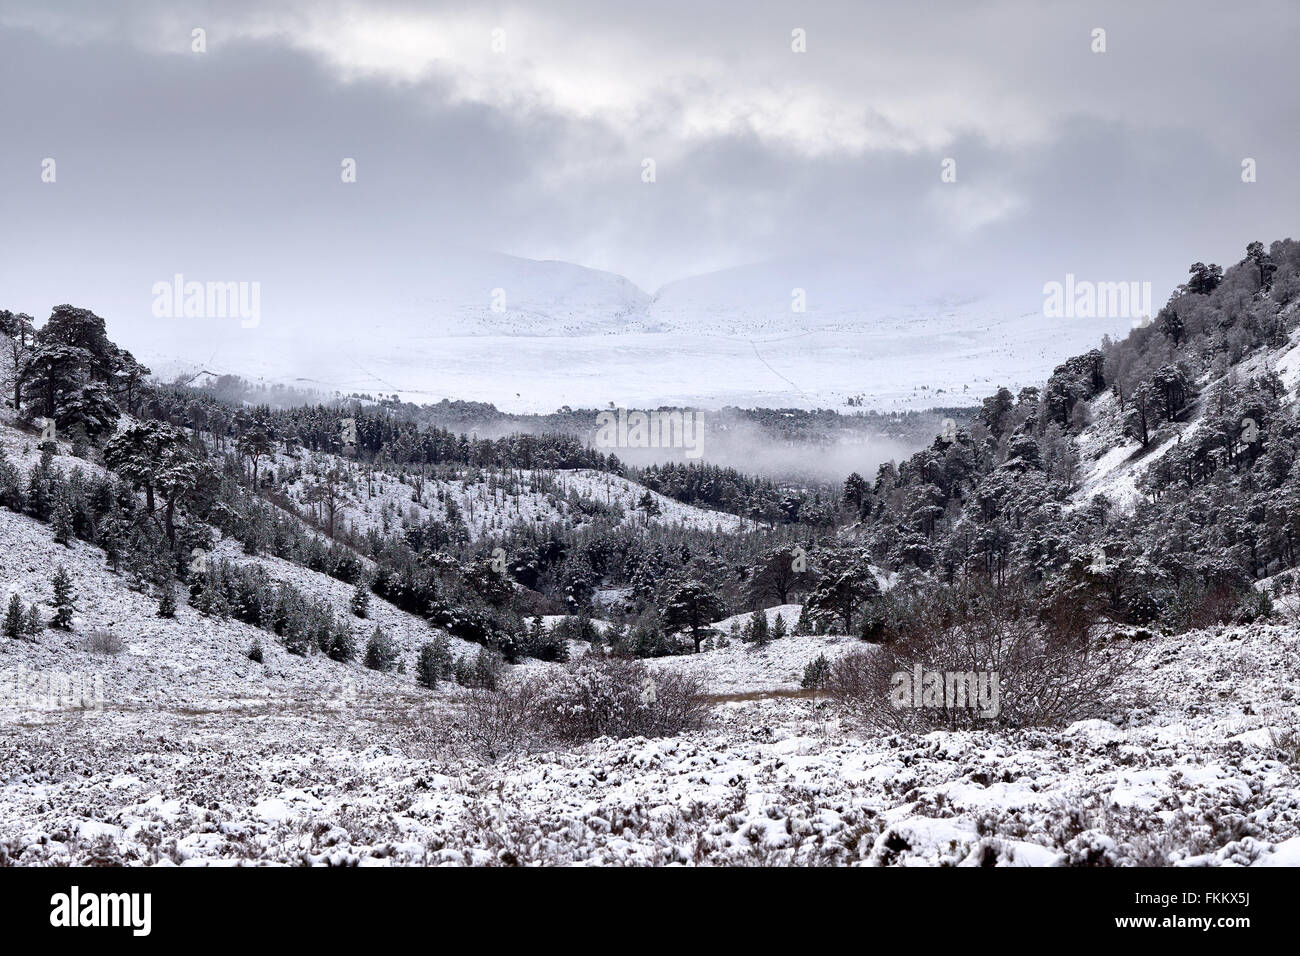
157	458
255	444
428	667
167	601
692	607
381	652
777	574
65	600
1263	263
330	495
648	504
846	583
13	623
360	600
32	625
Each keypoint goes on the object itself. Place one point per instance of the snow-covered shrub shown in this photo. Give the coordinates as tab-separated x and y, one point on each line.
481	672
501	722
1041	678
1286	742
1092	848
102	642
1255	605
610	697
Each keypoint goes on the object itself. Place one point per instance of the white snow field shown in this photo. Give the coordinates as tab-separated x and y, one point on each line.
725	338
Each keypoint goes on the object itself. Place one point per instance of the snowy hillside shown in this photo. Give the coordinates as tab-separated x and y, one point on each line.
372	498
1112	463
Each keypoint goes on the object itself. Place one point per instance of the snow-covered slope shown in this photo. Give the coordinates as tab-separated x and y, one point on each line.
190	661
373	498
1111	463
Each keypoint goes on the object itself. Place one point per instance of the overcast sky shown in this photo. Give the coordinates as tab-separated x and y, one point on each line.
1117	165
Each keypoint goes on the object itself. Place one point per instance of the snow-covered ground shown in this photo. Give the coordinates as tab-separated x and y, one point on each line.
200	756
197	755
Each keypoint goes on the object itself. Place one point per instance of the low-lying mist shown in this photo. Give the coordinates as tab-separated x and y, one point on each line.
750	449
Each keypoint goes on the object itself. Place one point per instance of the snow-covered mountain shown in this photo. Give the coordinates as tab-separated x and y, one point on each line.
467	293
533	336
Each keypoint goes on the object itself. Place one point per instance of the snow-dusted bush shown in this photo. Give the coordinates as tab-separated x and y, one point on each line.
102	642
501	722
609	697
1041	679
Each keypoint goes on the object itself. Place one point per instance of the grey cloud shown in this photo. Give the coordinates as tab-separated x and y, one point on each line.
1124	164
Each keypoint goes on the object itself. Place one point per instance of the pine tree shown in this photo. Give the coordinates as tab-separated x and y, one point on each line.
757	631
32	624
692	607
778	627
342	645
816	672
65	600
381	652
442	657
39	497
61	520
254	652
110	534
488	665
360	603
426	667
846	583
13	622
167	601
